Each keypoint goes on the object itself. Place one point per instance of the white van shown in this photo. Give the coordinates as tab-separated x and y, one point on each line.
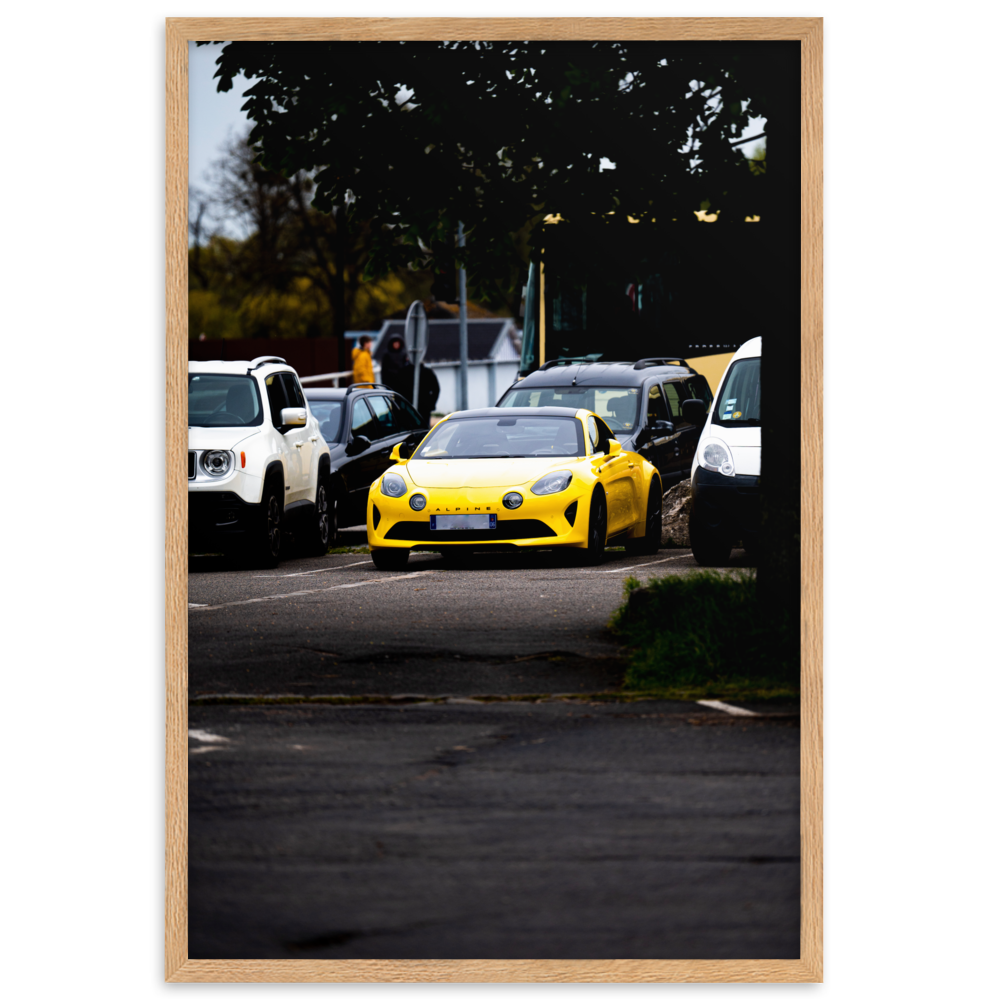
725	474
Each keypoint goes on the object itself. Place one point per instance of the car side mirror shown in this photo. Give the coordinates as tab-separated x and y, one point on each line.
358	444
614	447
403	451
293	416
663	427
694	411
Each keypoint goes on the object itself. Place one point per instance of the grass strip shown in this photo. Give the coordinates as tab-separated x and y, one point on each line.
707	633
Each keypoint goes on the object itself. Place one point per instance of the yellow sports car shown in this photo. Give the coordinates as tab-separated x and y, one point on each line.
524	477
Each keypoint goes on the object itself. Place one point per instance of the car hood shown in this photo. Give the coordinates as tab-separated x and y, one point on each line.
219	438
460	473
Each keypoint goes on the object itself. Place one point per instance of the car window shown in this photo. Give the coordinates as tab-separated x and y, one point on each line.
292	390
407	417
362	421
380	407
617	405
593	434
503	437
223	401
700	389
656	407
604	436
739	398
327	412
275	398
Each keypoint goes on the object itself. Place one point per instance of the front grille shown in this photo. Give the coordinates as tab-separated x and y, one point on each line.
505	531
376	516
190	465
571	512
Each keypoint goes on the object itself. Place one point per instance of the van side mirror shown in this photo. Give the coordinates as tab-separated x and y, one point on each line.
694	411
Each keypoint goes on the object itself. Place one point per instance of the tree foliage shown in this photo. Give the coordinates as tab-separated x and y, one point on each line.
414	137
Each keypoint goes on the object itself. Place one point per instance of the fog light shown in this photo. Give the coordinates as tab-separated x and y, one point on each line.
513	500
418	501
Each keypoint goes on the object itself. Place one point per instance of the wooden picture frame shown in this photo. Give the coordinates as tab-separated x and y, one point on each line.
809	967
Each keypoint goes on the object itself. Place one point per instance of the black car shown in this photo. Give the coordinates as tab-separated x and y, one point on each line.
362	424
655	406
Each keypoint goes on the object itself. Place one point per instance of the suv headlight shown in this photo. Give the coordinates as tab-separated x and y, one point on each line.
393	485
217	463
715	456
554	482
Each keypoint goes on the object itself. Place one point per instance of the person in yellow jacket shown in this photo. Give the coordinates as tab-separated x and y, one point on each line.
362	358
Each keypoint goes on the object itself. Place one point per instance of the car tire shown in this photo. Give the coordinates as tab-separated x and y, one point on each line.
267	548
318	538
709	548
597	529
390	558
649	544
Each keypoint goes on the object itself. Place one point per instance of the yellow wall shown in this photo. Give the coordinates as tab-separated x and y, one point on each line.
712	367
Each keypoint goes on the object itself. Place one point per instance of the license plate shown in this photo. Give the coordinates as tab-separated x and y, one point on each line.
463	522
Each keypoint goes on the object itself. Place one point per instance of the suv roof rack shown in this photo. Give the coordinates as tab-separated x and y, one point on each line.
586	359
653	362
365	385
265	359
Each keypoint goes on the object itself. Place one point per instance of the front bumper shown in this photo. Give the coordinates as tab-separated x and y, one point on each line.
539	522
727	507
217	517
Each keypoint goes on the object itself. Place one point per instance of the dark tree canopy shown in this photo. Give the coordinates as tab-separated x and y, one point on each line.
416	136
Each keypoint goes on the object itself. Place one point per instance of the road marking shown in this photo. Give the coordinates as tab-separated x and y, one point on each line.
621	569
317	590
196	605
328	569
723	707
204	736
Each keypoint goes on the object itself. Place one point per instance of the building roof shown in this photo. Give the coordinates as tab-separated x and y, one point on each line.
489	339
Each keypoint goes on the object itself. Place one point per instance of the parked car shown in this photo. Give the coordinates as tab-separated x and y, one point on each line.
725	474
523	477
361	423
257	462
642	402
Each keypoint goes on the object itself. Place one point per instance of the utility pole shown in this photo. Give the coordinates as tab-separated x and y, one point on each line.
463	333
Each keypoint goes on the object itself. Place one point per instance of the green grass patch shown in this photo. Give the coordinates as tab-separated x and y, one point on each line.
706	633
349	550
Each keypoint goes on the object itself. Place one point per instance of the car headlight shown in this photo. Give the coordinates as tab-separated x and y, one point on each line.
554	482
715	456
512	500
418	501
393	485
217	463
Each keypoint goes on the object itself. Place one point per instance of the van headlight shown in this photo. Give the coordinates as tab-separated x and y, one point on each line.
217	463
554	482
715	456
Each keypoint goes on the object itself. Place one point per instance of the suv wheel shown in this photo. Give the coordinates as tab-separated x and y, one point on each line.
649	544
268	542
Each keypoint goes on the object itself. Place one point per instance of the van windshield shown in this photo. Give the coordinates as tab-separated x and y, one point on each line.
738	401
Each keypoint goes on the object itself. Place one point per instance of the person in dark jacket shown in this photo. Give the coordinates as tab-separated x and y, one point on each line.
429	391
397	372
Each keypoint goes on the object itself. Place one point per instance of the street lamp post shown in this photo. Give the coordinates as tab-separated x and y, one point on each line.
463	333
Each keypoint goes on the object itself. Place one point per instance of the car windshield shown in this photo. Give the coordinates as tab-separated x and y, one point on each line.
504	437
738	401
223	401
617	406
328	413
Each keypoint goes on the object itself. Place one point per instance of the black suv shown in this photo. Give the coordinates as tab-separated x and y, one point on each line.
655	406
361	424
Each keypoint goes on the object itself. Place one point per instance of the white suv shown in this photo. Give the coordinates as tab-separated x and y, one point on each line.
257	463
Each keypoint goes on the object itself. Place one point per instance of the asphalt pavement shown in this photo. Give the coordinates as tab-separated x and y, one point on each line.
485	793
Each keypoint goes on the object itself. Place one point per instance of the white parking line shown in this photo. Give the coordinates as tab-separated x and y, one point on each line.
328	569
204	736
621	569
318	590
723	707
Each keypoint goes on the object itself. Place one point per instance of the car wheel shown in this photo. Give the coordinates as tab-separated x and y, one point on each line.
709	548
649	544
597	529
319	534
268	547
390	558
